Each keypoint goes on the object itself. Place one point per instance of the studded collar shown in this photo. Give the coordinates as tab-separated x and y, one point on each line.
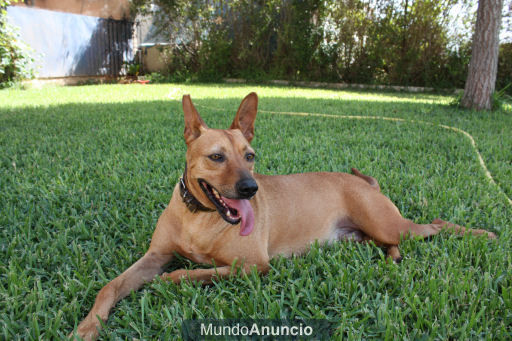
188	198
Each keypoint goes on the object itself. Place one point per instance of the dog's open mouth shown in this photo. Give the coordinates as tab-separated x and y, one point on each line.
229	214
233	211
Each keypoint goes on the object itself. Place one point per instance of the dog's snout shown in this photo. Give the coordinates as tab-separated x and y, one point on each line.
246	188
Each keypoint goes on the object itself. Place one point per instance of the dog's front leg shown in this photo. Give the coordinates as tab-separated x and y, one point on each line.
144	270
207	275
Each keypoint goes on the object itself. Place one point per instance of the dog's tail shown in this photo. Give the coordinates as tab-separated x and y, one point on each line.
371	180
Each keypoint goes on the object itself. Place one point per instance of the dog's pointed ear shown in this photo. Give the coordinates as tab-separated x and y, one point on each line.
246	115
194	124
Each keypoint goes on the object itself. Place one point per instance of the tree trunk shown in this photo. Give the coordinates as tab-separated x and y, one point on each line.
484	56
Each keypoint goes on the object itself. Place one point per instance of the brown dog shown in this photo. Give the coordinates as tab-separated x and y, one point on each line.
222	212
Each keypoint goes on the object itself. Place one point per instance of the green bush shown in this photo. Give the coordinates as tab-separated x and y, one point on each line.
504	77
373	42
214	56
15	56
156	77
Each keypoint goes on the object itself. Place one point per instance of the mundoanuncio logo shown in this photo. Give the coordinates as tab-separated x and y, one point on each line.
272	329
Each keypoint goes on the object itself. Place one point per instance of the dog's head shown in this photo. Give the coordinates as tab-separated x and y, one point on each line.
220	163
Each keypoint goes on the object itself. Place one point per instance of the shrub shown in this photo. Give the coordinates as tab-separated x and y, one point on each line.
15	56
504	77
359	41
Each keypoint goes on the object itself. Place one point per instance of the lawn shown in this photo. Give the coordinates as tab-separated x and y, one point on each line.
86	171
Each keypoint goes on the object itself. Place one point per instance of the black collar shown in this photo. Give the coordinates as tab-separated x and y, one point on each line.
189	199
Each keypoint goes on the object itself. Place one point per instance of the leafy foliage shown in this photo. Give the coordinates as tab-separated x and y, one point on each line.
15	56
385	42
504	77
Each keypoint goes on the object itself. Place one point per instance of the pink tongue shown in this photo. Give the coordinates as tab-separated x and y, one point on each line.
244	208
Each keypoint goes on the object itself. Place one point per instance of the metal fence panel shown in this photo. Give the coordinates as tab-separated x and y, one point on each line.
74	45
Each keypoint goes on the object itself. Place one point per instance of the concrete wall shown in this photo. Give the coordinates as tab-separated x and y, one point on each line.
113	9
152	59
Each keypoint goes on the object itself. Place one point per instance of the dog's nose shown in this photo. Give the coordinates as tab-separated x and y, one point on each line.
246	188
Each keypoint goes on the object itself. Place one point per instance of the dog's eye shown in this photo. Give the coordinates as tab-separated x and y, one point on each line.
217	157
249	157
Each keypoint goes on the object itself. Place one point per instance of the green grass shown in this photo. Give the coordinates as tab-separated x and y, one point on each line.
86	171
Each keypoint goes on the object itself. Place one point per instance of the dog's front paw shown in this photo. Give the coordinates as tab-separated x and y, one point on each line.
176	276
88	330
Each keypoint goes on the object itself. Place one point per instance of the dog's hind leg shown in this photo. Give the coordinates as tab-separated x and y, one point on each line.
410	229
394	253
379	219
391	233
426	230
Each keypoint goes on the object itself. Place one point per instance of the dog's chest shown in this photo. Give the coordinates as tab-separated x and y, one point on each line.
199	239
195	250
198	257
